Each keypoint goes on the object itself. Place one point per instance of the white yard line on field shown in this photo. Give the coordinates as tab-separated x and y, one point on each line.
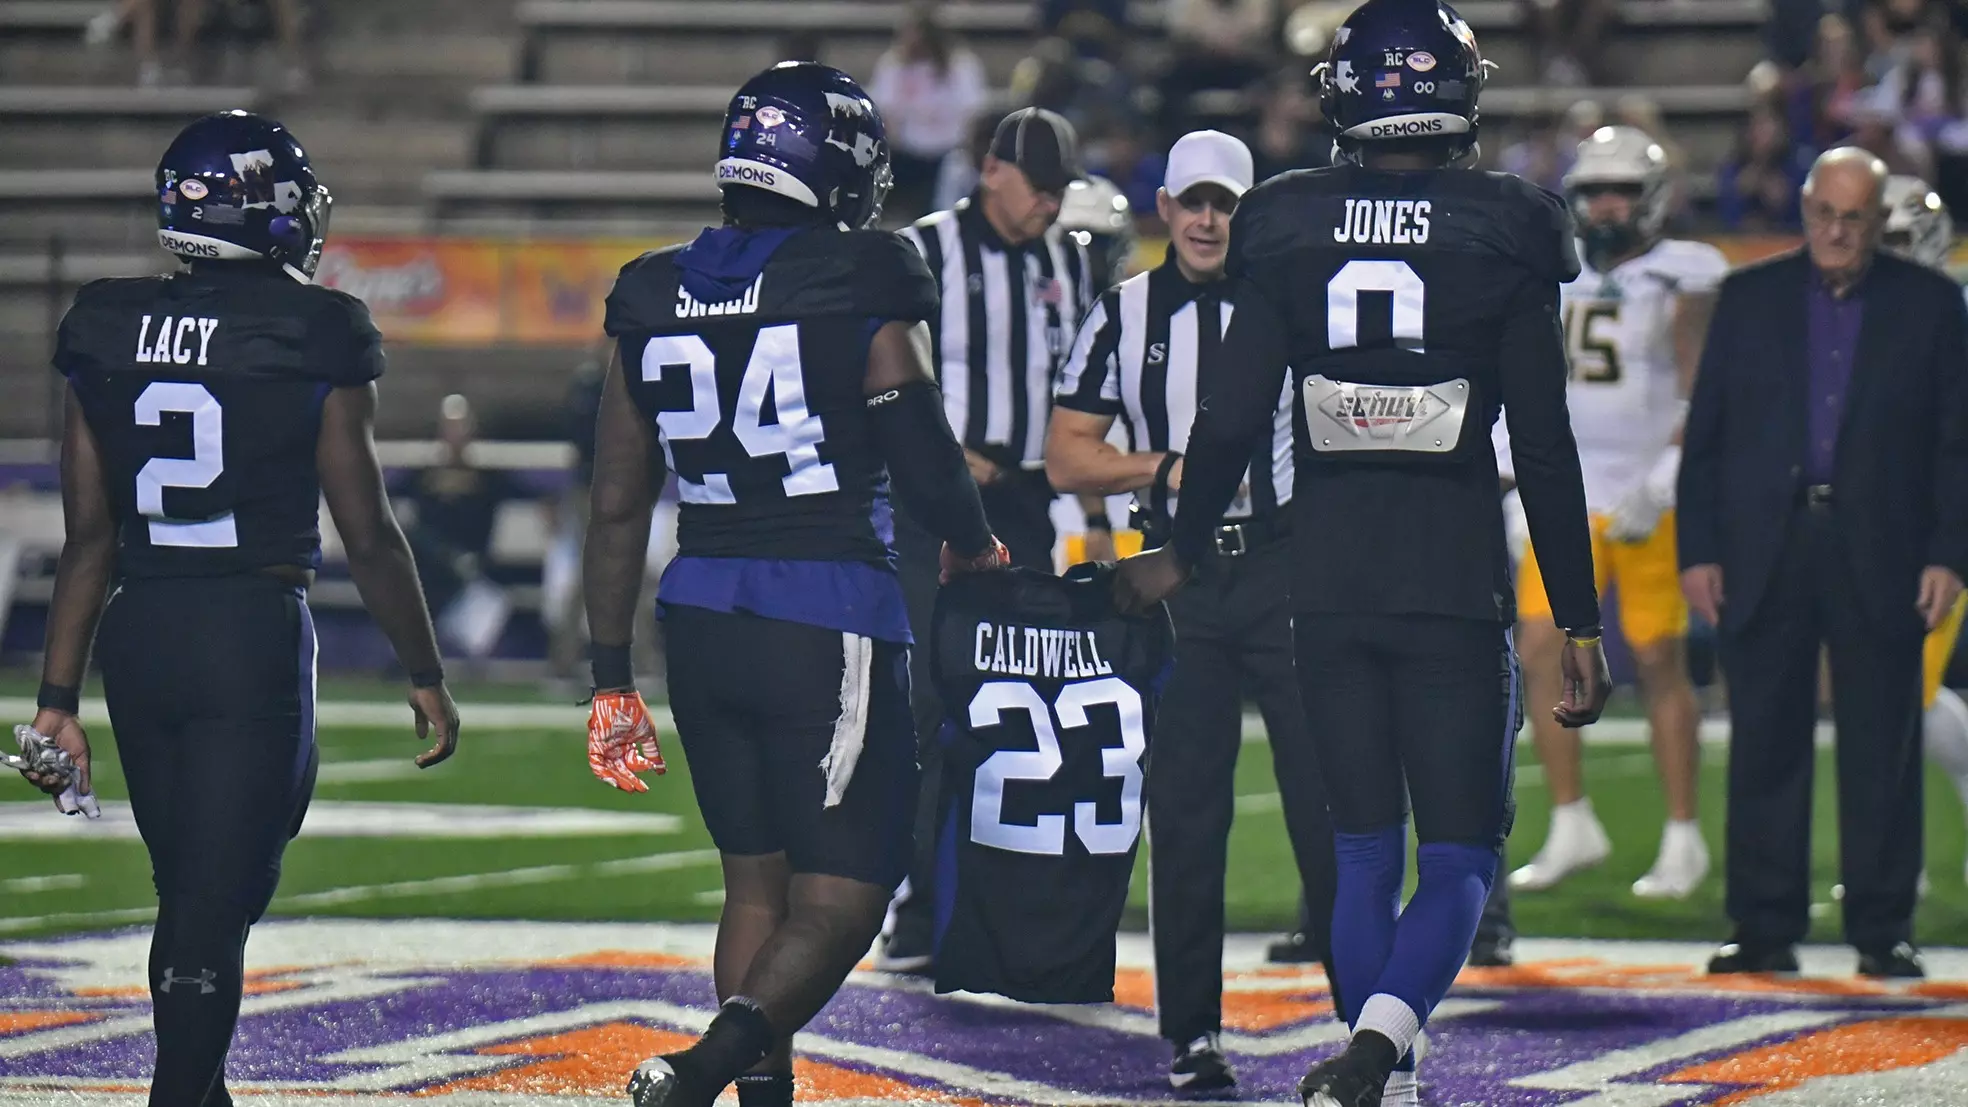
434	886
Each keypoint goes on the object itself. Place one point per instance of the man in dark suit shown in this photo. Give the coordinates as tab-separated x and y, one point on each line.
1824	500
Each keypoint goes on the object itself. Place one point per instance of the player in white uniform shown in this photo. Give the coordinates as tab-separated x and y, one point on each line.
1634	321
1918	227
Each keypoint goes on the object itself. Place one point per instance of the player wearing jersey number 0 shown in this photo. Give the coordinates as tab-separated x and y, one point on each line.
1634	320
779	366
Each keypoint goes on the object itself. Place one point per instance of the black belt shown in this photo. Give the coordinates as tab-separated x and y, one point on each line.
1234	538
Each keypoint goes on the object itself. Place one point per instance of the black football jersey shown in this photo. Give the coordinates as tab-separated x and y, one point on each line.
759	403
204	392
1051	696
1410	306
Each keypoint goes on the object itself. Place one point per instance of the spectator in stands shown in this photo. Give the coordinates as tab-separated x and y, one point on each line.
1569	38
1218	44
1880	128
1822	93
189	19
800	44
456	503
1288	135
1545	152
928	86
1757	187
1095	28
1889	29
956	178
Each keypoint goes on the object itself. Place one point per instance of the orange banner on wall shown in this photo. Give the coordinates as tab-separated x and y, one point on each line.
487	292
480	292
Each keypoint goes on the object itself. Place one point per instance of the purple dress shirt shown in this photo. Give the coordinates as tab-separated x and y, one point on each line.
1832	333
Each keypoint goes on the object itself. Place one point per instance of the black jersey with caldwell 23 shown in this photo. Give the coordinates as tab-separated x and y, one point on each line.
1052	696
204	391
1409	306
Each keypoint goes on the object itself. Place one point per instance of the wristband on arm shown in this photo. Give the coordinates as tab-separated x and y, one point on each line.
65	698
611	667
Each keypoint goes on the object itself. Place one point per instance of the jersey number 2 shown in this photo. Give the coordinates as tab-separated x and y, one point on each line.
1047	835
774	367
206	462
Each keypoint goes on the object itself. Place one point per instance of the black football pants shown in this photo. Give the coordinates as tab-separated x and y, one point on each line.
1019	510
210	683
1233	633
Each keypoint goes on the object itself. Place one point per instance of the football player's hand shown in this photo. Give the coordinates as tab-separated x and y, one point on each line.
996	557
54	757
1098	545
1702	585
435	714
1586	681
622	740
982	469
1146	579
1939	588
1635	516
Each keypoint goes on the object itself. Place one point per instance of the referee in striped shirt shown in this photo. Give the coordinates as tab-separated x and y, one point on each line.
1014	287
1145	356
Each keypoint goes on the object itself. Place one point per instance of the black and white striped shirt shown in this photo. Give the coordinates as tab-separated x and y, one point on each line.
1007	316
1147	351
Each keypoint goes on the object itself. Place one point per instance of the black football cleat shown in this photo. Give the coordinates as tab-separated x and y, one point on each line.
1292	949
1200	1067
656	1083
1351	1079
1899	961
1491	951
1749	955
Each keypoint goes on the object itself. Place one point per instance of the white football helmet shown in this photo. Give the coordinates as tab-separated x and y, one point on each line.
1917	222
1619	155
1096	214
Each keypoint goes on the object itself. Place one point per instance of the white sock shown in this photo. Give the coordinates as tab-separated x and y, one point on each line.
1945	731
1392	1019
1678	831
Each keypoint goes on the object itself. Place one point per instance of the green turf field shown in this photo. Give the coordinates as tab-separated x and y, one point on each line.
64	885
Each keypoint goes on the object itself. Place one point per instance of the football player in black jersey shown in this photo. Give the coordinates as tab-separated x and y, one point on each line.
207	413
1410	298
779	366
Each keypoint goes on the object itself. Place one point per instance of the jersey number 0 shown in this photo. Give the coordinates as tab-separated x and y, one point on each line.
1047	834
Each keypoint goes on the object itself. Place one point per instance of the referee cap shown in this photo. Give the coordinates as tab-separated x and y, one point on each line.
1208	157
1041	143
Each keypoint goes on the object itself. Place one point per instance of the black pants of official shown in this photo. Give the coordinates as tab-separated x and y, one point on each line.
1233	641
210	683
1019	508
1772	663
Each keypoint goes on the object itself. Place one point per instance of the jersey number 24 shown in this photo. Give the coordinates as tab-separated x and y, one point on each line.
1047	834
774	368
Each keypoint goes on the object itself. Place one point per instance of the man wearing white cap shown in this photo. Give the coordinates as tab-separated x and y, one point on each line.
1146	354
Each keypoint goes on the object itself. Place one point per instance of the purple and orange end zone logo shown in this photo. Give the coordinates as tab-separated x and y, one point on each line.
363	1013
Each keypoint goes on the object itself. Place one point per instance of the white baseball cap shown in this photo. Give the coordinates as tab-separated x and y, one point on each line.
1208	157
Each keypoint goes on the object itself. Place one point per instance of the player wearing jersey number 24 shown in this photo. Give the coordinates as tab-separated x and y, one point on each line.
787	636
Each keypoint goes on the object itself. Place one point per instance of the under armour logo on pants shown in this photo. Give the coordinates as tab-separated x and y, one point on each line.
203	980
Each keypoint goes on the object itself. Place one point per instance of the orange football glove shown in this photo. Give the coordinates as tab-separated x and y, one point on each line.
997	557
622	741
